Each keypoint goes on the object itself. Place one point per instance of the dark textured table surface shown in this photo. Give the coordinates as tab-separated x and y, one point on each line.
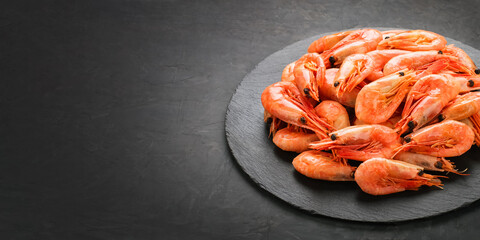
112	117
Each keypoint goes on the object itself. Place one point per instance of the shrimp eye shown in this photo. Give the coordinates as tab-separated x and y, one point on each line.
441	117
440	52
303	120
438	164
407	139
411	124
477	71
332	60
333	137
420	173
306	91
387	37
401	74
335	84
470	83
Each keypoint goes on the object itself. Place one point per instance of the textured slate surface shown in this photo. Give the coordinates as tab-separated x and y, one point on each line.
112	116
271	167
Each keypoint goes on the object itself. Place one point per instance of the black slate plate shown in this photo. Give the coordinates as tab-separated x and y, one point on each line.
271	168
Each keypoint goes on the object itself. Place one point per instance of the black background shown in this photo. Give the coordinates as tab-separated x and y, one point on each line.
112	116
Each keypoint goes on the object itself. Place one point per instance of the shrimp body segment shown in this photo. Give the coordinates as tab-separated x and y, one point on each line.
327	42
287	73
308	71
289	139
415	40
361	142
284	101
378	100
426	100
381	176
334	112
321	165
449	138
360	41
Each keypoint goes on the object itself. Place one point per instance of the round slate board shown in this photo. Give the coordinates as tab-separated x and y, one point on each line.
271	168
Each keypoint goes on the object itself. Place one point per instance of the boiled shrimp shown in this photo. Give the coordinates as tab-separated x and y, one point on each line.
415	40
428	162
380	58
449	138
426	61
381	176
413	61
425	101
334	112
287	73
465	82
328	91
353	71
361	142
463	106
306	71
284	101
360	41
321	165
327	42
293	140
379	100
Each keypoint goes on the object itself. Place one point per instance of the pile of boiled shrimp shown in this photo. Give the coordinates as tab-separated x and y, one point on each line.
377	107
